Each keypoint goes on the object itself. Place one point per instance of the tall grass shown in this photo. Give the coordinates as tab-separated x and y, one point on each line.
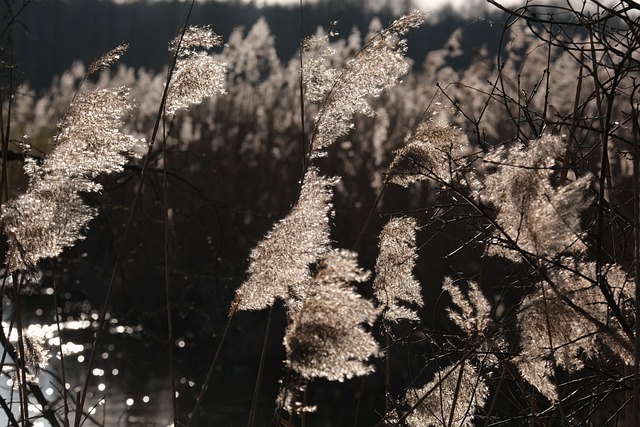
463	241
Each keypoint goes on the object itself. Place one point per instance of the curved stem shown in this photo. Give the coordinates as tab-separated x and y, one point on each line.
263	356
167	281
207	380
104	314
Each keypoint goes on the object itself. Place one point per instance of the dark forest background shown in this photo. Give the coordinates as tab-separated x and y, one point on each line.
57	32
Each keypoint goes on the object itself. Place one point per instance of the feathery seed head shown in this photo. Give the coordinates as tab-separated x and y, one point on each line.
195	37
545	314
466	389
318	78
195	77
51	215
339	267
326	338
395	288
474	311
539	218
279	267
36	357
376	67
196	74
435	150
108	58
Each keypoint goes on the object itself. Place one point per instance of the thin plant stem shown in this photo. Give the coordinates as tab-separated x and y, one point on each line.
566	163
167	280
303	142
4	141
456	392
388	365
552	354
128	227
5	130
359	402
63	375
494	401
636	261
605	119
400	421
14	16
303	415
371	213
263	356
547	88
11	419
386	181
285	386
207	380
21	369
